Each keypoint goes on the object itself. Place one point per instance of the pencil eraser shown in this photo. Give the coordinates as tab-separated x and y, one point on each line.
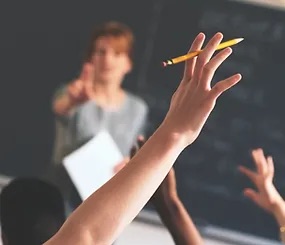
164	64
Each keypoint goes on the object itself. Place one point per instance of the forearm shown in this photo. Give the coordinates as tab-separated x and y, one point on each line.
278	212
106	212
177	220
63	104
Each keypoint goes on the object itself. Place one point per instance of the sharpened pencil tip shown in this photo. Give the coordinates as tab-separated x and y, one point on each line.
239	39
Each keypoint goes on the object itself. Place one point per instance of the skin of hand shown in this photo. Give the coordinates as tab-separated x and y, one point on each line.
80	90
266	196
77	92
197	77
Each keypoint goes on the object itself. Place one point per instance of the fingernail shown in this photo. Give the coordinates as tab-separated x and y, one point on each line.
229	50
201	34
219	34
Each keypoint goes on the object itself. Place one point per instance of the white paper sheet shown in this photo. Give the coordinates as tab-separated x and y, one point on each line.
92	165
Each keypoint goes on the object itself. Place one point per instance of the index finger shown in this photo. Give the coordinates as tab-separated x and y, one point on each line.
206	55
190	64
87	72
260	161
247	172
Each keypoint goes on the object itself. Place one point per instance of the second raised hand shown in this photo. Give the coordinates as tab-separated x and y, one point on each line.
266	196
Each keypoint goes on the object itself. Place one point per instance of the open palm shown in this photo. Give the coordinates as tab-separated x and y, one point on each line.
266	195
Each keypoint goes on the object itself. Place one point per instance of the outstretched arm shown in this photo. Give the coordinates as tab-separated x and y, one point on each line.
102	217
266	196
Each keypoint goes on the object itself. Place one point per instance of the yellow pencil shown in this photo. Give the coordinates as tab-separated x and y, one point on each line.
193	54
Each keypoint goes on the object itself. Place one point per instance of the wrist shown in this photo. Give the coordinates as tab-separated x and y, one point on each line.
167	202
172	199
179	139
278	211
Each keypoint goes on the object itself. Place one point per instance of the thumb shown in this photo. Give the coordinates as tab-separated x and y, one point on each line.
253	195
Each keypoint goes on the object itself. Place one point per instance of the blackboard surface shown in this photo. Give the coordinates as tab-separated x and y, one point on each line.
42	46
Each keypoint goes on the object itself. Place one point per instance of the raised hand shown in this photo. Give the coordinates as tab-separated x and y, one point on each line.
194	99
266	196
80	89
